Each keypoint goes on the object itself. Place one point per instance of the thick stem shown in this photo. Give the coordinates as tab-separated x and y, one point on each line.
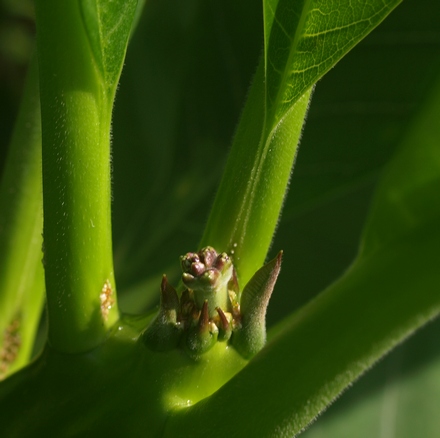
76	116
248	203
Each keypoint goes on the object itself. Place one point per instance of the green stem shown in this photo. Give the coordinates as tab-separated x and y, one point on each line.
249	201
21	224
76	110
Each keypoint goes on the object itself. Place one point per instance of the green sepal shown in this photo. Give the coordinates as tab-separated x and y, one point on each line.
164	331
203	336
251	337
224	325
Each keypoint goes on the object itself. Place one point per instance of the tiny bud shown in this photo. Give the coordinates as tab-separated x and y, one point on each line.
223	262
233	282
187	260
189	280
197	268
208	255
209	278
185	263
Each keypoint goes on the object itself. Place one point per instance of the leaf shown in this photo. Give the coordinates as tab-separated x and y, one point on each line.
404	405
398	398
21	225
359	114
108	25
352	128
408	195
303	40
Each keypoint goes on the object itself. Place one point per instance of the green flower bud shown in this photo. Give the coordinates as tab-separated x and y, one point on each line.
212	309
207	274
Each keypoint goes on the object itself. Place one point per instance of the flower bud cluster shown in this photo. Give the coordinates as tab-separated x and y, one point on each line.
208	274
211	308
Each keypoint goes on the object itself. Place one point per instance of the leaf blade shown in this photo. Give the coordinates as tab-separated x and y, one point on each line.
241	222
320	34
407	195
21	225
108	27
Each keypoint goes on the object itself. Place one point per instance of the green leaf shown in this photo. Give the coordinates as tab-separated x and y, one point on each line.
407	198
21	226
108	25
359	115
303	40
398	398
408	195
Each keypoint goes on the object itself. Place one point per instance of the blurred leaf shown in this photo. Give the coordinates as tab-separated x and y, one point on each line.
398	398
21	226
408	196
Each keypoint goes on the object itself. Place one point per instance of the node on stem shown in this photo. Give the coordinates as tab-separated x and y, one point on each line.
211	308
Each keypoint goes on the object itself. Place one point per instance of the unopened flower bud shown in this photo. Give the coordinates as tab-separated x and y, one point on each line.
208	256
207	274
